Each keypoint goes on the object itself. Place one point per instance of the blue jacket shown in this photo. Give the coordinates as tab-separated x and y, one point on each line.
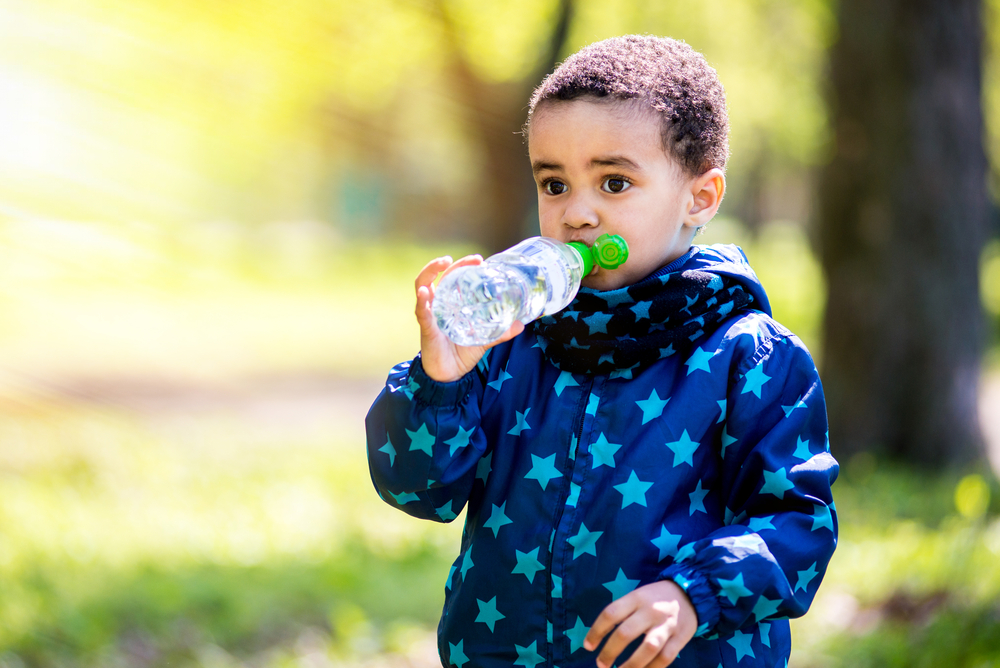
710	468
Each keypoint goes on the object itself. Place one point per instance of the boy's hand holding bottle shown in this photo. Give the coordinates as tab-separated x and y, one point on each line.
442	359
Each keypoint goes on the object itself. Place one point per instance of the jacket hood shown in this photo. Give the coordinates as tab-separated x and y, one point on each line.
725	260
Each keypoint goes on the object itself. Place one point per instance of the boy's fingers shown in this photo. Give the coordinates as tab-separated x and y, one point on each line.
609	618
430	271
669	652
648	652
627	631
463	262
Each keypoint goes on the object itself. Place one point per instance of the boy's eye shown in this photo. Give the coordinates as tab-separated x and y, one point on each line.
615	184
555	187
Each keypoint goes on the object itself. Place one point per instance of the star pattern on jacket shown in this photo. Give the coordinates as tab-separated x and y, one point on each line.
652	407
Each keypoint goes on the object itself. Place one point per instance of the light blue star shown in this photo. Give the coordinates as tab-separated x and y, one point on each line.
652	408
604	451
690	303
459	440
564	380
741	643
822	517
584	542
607	357
451	574
727	440
456	654
573	344
667	543
404	498
522	423
700	360
616	297
484	467
776	483
502	378
765	607
543	470
467	562
421	439
620	586
798	404
556	586
572	315
445	512
683	449
765	634
574	495
498	519
733	589
573	442
755	378
802	450
641	310
592	403
527	564
633	491
488	613
685	552
484	361
667	352
528	656
389	450
805	577
698	499
548	632
598	322
576	635
722	410
758	524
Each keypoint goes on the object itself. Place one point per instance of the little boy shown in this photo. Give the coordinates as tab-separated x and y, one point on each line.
647	473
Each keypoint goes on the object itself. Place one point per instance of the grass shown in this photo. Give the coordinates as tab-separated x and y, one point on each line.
180	487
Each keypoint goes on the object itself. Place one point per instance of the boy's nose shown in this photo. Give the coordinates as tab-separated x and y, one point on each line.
579	213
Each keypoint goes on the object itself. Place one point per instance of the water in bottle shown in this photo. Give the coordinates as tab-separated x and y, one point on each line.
475	305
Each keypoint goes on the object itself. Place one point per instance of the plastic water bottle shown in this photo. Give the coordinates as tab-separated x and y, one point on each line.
475	305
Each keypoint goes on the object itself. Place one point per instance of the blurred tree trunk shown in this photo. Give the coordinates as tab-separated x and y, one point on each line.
496	113
903	218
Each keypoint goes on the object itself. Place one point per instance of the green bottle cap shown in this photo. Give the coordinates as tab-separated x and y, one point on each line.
608	252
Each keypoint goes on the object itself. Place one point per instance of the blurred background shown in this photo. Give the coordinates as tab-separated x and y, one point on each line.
211	214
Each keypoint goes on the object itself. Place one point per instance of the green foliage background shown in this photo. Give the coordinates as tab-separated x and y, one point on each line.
210	218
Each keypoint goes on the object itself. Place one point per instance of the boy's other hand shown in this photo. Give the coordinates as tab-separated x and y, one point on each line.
442	359
661	610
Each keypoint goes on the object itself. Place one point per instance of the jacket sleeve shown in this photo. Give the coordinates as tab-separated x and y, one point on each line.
780	521
425	441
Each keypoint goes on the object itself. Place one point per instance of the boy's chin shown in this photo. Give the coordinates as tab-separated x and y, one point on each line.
604	280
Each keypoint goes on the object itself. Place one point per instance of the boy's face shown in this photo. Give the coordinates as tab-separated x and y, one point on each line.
600	167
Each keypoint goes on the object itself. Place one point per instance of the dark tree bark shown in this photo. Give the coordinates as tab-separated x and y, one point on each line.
496	114
903	218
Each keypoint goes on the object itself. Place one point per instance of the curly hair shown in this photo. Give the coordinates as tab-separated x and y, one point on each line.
667	75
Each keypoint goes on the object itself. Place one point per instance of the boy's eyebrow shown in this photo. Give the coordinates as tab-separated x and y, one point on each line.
602	161
541	166
615	161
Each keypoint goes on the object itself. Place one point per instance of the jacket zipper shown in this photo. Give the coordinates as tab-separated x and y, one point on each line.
580	418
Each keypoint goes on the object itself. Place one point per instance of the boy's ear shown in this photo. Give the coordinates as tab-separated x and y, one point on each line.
707	191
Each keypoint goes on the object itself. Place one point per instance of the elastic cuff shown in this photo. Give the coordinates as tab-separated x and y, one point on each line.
436	393
696	586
